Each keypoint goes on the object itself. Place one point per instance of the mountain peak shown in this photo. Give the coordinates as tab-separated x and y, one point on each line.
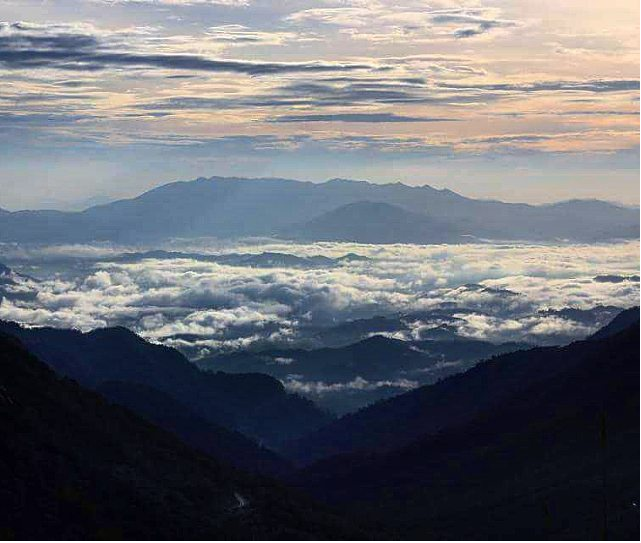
345	181
233	207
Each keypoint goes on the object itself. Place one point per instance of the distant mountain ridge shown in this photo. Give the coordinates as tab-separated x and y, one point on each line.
375	222
453	401
378	360
237	207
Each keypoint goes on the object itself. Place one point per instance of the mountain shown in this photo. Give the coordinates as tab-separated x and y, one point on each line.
233	207
596	316
253	260
75	467
375	222
162	410
349	377
616	278
557	458
254	404
345	333
9	277
622	321
429	409
6	275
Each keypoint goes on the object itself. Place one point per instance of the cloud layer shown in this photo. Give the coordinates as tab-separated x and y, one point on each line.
493	292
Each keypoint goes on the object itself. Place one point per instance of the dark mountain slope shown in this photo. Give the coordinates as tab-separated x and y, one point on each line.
556	460
375	222
622	321
427	410
166	413
231	207
75	467
253	404
375	358
379	360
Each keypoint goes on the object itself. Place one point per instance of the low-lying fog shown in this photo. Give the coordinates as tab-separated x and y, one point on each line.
205	297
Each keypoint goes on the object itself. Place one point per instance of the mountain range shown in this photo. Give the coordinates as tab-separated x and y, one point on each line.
339	209
537	445
453	401
75	466
540	443
355	375
254	404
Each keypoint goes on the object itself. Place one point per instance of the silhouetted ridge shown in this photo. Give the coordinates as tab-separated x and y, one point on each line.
622	321
163	411
558	455
75	467
254	404
233	207
429	409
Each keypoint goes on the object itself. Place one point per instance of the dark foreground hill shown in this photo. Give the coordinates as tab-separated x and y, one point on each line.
74	466
162	410
254	404
557	458
233	207
453	401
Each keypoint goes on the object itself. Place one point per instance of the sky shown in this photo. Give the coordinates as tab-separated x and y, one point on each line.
509	99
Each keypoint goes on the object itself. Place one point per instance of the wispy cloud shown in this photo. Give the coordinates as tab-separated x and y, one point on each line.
25	46
326	77
359	118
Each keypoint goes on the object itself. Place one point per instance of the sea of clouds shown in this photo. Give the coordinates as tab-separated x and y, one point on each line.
203	307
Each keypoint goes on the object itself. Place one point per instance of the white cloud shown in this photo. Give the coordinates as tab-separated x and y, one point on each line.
497	291
386	21
232	3
319	388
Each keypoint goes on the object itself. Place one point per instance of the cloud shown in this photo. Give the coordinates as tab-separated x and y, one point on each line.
482	28
363	91
383	21
239	35
359	118
24	46
496	292
320	388
592	86
230	3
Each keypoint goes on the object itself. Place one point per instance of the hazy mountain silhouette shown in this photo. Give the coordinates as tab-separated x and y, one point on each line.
252	260
554	457
254	404
232	207
453	401
379	361
75	467
375	222
9	280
